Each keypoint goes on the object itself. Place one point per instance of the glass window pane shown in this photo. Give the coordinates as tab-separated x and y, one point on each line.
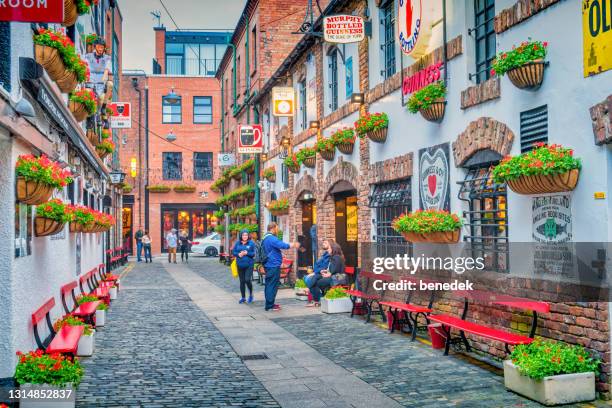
202	166
172	165
172	48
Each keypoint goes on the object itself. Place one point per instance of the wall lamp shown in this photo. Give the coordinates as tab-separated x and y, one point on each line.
264	156
315	124
171	137
358	97
172	98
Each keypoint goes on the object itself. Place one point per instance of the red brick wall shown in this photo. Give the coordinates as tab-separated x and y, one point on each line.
160	47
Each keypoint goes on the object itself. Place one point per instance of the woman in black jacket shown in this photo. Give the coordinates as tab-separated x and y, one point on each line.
332	276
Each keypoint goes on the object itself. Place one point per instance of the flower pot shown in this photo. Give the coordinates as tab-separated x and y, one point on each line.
50	59
528	76
75	227
45	226
444	237
435	112
378	135
33	192
68	392
294	169
103	153
301	293
341	305
310	162
347	148
78	111
553	390
67	82
272	178
113	293
86	345
540	184
93	137
100	318
70	13
328	154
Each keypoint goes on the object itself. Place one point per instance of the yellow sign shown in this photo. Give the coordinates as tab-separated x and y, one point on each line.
599	195
133	167
283	101
597	36
351	221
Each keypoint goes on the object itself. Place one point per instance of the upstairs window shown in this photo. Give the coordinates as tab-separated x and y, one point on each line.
333	78
302	102
389	201
202	109
171	111
254	49
387	39
172	165
202	166
484	37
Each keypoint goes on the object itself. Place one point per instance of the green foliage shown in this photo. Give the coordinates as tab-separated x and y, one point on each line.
336	293
37	367
324	145
305	153
278	205
544	160
269	172
347	135
425	97
102	306
423	222
87	97
43	170
184	188
54	210
219	213
545	358
292	161
240	226
370	122
86	299
65	47
220	229
244	211
527	52
300	284
70	320
159	188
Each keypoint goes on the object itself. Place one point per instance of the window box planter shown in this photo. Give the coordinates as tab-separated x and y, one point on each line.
435	112
431	226
524	64
340	305
529	76
553	390
33	192
44	227
67	389
185	189
86	345
161	189
446	237
100	318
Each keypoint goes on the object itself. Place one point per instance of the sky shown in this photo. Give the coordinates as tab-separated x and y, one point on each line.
138	23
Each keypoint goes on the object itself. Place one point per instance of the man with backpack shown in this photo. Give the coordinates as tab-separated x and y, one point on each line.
272	259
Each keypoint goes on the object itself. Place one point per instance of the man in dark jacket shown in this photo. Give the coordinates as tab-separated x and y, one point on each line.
138	237
273	246
244	251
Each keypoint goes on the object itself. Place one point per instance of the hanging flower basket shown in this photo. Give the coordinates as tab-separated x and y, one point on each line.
310	162
374	126
344	139
432	226
44	227
429	101
346	148
378	135
447	237
33	192
435	111
105	148
75	227
37	177
279	207
50	60
83	103
326	148
67	82
530	75
70	13
102	153
294	169
328	154
270	174
93	137
524	64
541	184
78	110
292	163
307	156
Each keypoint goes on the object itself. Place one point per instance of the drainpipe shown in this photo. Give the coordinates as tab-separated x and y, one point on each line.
257	167
223	114
444	40
247	68
234	77
146	156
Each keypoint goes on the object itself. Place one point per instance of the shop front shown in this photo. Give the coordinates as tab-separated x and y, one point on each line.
347	231
127	222
196	219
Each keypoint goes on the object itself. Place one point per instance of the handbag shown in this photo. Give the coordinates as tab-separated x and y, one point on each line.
234	268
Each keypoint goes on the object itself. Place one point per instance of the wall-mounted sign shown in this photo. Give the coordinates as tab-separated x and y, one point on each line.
422	78
552	218
597	36
349	77
226	159
414	19
32	11
434	179
283	101
122	115
250	139
343	29
133	171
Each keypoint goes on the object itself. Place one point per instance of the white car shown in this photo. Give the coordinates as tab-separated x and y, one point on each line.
206	246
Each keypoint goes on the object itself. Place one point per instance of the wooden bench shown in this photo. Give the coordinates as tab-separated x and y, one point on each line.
86	311
368	300
449	322
65	340
408	313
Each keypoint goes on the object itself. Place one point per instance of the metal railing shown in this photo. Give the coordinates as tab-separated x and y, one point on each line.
191	66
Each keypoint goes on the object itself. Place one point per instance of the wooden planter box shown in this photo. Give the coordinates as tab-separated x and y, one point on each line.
379	135
33	192
187	190
447	237
346	148
328	154
78	111
342	305
435	112
67	390
45	226
542	184
310	162
528	76
553	390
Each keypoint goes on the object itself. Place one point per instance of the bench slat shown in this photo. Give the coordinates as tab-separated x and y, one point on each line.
362	295
66	340
483	331
68	287
407	307
40	314
87	309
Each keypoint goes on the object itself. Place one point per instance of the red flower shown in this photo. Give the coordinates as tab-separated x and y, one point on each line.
545	44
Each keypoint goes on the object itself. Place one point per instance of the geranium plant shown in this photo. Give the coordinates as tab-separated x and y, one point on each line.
336	293
370	122
65	47
305	153
347	135
36	367
84	6
54	210
541	359
279	205
70	320
80	214
426	96
426	221
106	146
105	134
269	172
525	53
86	97
43	170
543	160
90	38
292	161
324	145
104	220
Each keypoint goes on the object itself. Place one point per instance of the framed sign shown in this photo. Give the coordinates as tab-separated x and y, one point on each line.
283	101
552	218
414	18
434	178
343	29
32	11
122	115
596	36
250	139
226	159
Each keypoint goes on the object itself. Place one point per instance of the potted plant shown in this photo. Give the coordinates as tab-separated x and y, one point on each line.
545	169
50	218
81	217
551	373
82	103
37	177
344	140
101	314
307	156
374	126
301	290
51	372
89	40
127	189
112	291
84	6
248	166
434	226
269	174
292	163
326	148
184	188
220	229
336	300
85	347
430	101
236	173
279	207
105	147
523	64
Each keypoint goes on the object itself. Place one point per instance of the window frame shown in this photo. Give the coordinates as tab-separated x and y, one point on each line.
166	171
254	50
303	104
387	40
332	65
482	63
210	98
168	104
389	200
211	167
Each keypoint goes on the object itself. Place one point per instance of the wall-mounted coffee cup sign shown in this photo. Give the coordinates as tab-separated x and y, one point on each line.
250	139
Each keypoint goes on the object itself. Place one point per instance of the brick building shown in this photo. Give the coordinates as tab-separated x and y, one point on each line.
170	153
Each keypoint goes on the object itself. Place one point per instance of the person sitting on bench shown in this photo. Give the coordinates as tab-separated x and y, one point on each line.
333	275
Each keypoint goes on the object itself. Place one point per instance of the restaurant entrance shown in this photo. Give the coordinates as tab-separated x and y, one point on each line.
195	219
346	225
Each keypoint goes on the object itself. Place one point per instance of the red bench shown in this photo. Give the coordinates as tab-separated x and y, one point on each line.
86	311
368	300
65	341
285	270
101	293
463	326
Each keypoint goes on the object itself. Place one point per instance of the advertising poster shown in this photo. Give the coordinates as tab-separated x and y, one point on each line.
434	180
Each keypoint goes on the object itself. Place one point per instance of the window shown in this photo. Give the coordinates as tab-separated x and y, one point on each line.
202	109
5	55
534	127
172	165
285	176
175	59
202	166
388	39
487	216
116	74
390	200
484	35
23	230
302	102
238	76
171	112
333	79
254	42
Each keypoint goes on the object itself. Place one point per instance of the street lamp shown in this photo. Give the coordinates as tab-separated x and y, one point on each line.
117	177
315	124
172	98
171	137
264	156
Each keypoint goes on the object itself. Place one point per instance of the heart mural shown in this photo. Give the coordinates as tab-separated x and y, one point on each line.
434	178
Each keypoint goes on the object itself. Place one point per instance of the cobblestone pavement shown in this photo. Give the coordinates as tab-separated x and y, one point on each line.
159	349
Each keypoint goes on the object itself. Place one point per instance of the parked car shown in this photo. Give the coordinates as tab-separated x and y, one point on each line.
206	246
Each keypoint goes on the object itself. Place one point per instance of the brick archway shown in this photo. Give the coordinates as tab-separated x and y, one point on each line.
342	171
306	183
483	133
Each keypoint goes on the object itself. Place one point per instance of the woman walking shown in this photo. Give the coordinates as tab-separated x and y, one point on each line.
146	245
331	276
244	251
184	243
